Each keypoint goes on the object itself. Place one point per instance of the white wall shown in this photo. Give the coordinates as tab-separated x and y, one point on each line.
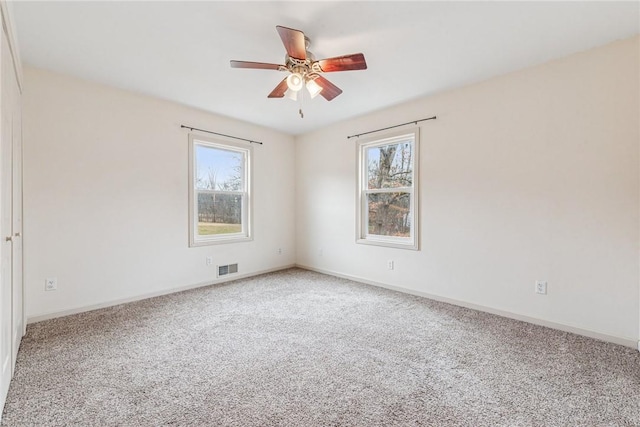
106	196
529	176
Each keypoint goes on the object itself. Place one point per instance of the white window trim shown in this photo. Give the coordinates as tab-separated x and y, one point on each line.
247	226
362	235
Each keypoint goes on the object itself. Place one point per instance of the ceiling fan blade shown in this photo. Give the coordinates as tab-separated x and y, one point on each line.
329	90
254	65
293	41
343	63
279	91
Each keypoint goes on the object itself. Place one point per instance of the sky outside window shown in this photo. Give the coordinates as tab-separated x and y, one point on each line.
218	169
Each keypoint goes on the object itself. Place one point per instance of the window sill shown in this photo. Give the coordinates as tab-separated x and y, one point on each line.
389	243
218	241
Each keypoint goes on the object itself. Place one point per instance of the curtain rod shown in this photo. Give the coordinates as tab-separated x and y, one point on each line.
391	127
222	134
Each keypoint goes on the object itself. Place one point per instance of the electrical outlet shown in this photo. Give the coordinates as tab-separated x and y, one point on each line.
390	265
541	287
279	251
50	284
320	252
209	260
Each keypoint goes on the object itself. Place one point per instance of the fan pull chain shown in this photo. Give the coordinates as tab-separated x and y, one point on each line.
301	103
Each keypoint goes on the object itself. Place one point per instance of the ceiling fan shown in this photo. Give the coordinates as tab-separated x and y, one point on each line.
303	68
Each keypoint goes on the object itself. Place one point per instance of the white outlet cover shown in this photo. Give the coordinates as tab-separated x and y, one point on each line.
50	284
541	288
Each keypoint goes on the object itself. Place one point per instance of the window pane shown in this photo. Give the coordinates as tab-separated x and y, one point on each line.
219	214
218	169
389	166
389	214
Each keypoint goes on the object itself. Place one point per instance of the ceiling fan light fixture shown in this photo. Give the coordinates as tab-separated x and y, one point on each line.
295	81
291	94
303	68
313	88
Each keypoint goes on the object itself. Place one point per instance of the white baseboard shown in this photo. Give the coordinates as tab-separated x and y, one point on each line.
559	326
53	315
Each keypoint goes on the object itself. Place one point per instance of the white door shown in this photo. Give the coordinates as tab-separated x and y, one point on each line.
6	228
18	324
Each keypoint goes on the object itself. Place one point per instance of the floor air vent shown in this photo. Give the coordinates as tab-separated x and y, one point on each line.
223	270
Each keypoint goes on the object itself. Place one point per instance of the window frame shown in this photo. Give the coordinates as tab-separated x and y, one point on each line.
247	229
362	191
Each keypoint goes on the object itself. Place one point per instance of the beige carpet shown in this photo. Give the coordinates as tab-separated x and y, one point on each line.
297	348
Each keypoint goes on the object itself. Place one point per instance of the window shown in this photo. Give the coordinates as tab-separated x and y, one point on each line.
388	191
219	192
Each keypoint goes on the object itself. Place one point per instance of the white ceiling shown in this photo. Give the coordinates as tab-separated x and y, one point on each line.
181	50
